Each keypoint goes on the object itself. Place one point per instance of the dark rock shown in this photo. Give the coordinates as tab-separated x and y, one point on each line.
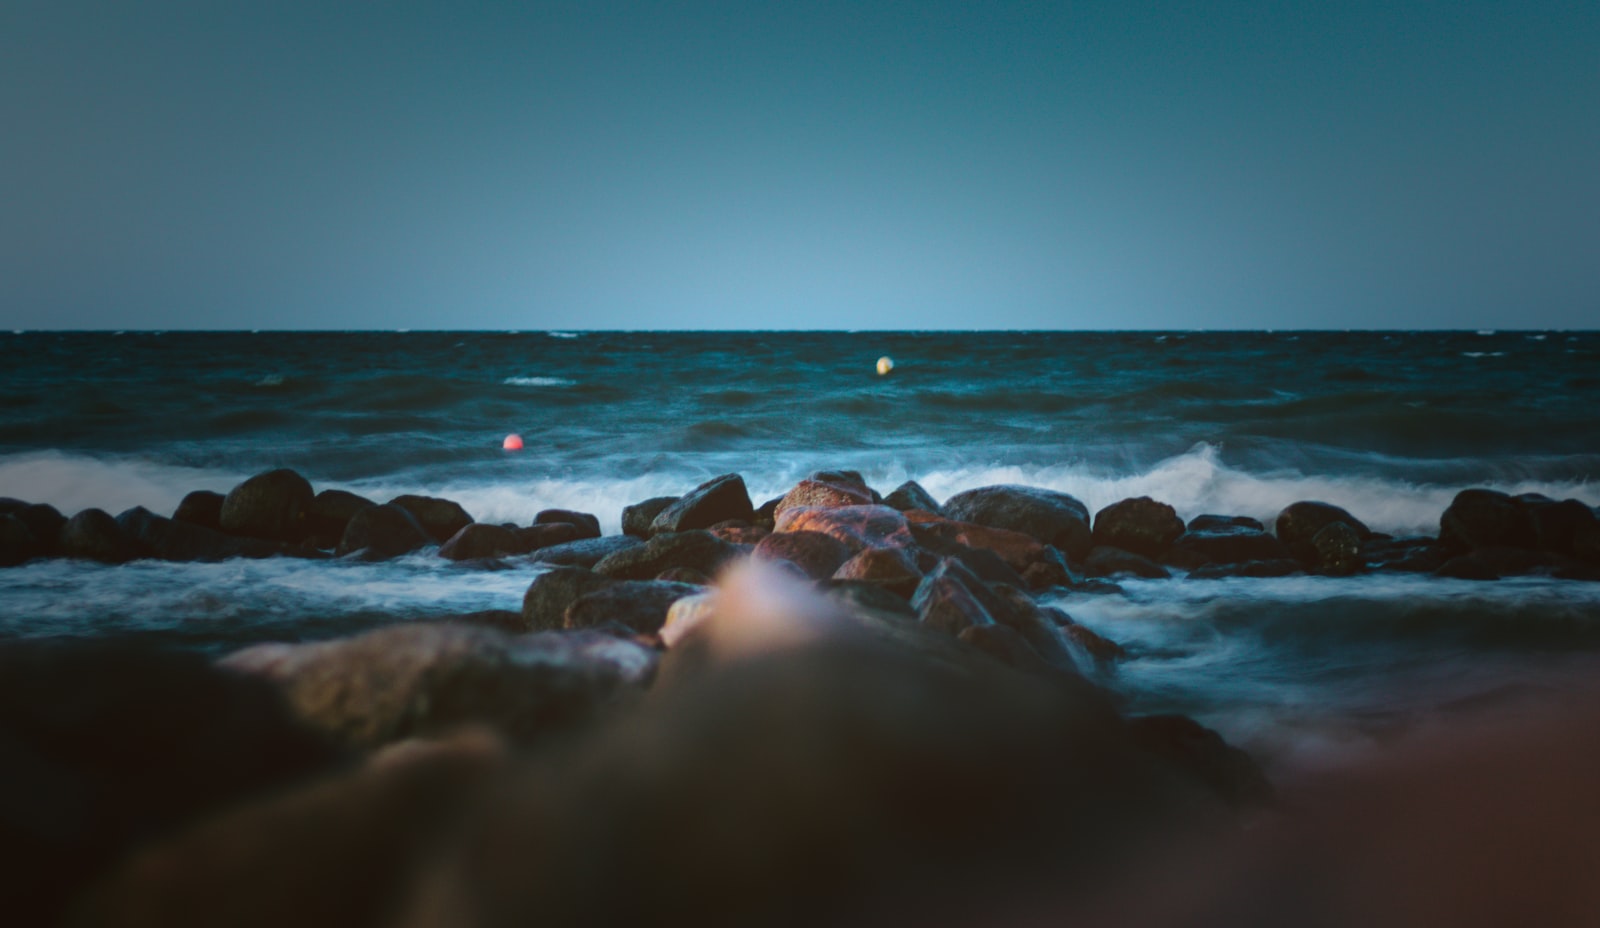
1005	646
716	500
272	505
1300	522
106	747
538	537
10	504
818	555
1099	648
586	552
767	514
1337	549
440	518
382	532
698	550
1019	550
857	595
330	514
1508	561
45	522
980	561
544	605
636	519
1280	567
1200	753
1037	627
945	602
910	495
1051	518
641	605
1140	525
1586	543
1213	523
202	508
739	532
588	524
1227	545
812	493
171	540
891	568
1111	562
512	623
1557	526
17	542
684	575
94	535
482	540
424	678
1409	555
1479	518
857	526
1465	567
1048	572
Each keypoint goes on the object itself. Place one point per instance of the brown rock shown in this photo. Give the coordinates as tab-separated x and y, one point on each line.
891	568
697	550
857	526
818	555
1051	518
816	494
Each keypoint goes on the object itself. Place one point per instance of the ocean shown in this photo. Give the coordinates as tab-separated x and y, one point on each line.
1296	669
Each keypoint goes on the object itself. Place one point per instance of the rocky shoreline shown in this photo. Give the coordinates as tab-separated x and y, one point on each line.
833	705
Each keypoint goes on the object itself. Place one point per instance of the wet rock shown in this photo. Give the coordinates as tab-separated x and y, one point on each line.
171	540
636	519
767	514
1508	561
482	540
1231	544
716	500
1051	518
1212	523
1113	562
1005	646
382	532
202	508
17	542
440	518
684	575
426	678
1586	543
816	554
1099	648
1300	522
272	505
107	746
45	522
587	523
544	604
946	603
330	514
641	605
505	620
739	532
95	536
1048	572
697	550
1337	550
1140	525
1408	555
812	493
586	552
1280	567
550	534
1557	526
685	615
1201	754
1479	518
859	596
1037	627
1465	567
857	526
891	568
1018	550
911	495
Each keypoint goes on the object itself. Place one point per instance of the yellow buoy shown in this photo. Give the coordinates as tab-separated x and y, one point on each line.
885	365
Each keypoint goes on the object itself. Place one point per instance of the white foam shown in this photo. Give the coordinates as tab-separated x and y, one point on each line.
72	482
562	334
537	382
1483	354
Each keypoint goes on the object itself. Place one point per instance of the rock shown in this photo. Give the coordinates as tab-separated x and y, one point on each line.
1338	550
1507	561
45	522
272	505
641	605
512	623
767	514
815	553
1280	567
95	536
1018	550
482	540
586	552
544	605
857	526
1214	523
1140	525
891	568
716	500
684	575
17	542
1465	567
202	508
1479	518
1112	562
1586	543
685	615
1051	518
858	596
1037	627
1227	545
1048	572
1100	648
945	602
911	495
107	746
588	524
425	678
550	534
382	532
330	514
171	540
440	518
818	494
1005	646
737	532
697	550
1410	555
1557	526
1201	754
636	519
1299	522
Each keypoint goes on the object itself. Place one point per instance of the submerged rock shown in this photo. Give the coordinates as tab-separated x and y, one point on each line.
272	505
1113	562
1226	544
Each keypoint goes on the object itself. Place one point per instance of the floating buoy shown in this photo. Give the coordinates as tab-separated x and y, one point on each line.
513	442
885	365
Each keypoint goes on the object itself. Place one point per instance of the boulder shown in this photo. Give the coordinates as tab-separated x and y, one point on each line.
1140	525
857	526
172	540
684	575
1409	555
440	518
1037	627
202	508
1586	543
544	605
549	534
641	605
1479	518
859	597
482	540
636	519
1557	526
17	542
944	601
587	523
1005	646
95	536
910	495
382	532
1337	548
716	500
1299	522
1018	550
1232	544
815	553
1281	567
330	514
891	568
1211	523
1199	753
1465	567
698	550
272	505
45	522
425	678
585	552
1050	517
820	494
1112	562
739	532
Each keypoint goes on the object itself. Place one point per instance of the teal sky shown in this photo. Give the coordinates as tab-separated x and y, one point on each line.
805	165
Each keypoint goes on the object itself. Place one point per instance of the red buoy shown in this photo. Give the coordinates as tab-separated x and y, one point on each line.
513	442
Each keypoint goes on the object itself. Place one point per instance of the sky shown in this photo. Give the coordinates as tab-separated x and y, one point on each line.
936	165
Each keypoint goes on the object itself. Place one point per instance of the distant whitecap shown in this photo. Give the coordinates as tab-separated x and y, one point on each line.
537	382
562	334
271	380
1486	331
1483	354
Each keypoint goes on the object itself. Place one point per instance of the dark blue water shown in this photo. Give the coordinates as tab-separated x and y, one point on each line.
1389	425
